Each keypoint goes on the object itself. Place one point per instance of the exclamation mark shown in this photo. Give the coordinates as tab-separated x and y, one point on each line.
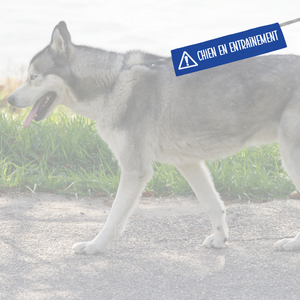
186	60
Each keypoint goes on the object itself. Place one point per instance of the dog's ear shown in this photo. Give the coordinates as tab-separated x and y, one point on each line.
61	39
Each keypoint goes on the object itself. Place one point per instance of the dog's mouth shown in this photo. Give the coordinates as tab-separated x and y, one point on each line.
40	108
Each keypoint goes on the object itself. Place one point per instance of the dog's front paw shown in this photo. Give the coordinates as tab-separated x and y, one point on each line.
288	244
87	248
215	241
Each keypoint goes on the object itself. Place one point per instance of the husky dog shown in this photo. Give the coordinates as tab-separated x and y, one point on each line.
145	114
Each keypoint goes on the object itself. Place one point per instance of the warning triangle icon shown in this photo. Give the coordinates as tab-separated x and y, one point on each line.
186	61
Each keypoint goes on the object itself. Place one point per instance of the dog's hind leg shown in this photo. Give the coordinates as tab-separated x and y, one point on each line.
131	186
289	144
200	181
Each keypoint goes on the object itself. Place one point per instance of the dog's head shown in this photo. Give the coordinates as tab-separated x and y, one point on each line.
46	84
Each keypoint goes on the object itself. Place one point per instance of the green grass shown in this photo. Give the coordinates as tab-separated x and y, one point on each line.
255	172
65	155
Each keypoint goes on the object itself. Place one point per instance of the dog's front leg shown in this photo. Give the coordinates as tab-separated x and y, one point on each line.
131	186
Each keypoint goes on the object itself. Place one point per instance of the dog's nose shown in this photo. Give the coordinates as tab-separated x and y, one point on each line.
11	100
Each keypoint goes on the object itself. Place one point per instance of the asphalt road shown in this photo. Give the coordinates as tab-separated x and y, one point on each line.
160	255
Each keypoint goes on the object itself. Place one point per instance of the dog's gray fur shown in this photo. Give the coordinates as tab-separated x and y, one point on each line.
145	113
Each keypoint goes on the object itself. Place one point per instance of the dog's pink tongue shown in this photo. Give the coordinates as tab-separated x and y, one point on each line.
32	113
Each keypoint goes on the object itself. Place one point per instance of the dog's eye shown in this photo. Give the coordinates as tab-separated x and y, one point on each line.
32	77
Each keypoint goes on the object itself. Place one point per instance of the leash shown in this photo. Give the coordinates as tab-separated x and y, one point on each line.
154	63
289	22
